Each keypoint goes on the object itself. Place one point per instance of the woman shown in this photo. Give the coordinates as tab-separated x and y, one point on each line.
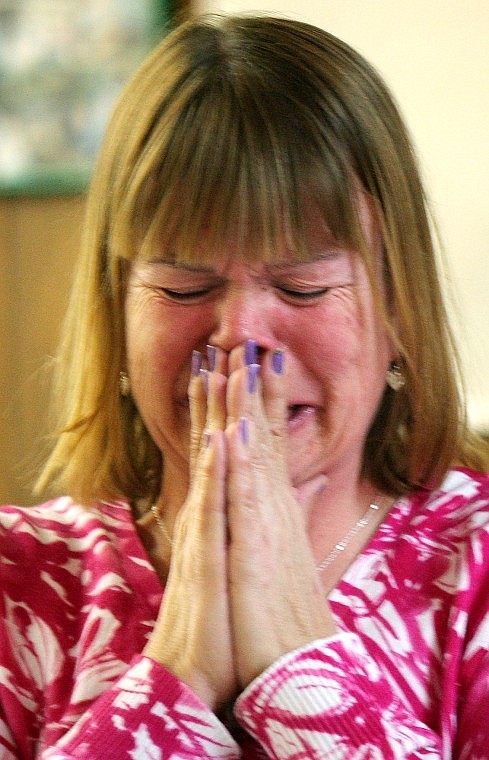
259	415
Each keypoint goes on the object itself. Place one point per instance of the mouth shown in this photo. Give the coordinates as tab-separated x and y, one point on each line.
299	414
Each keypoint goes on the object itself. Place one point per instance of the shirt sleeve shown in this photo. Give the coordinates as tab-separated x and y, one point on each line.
472	740
148	713
330	699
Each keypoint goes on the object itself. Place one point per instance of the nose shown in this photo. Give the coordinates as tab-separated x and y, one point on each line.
244	312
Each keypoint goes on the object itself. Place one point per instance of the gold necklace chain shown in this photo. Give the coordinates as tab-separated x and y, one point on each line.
333	554
160	523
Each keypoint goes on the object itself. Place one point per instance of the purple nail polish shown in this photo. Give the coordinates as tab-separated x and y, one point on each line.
243	429
211	358
205	379
278	362
253	372
196	362
251	352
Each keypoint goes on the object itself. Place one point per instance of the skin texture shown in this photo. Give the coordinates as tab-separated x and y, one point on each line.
252	514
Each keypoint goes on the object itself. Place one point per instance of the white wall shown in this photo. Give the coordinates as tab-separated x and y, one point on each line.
434	54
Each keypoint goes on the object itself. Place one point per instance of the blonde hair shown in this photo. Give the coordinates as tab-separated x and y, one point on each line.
234	121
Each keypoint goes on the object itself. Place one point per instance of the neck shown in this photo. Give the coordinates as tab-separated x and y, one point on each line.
172	496
343	518
173	492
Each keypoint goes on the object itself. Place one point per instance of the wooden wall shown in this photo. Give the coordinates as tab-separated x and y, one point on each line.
39	241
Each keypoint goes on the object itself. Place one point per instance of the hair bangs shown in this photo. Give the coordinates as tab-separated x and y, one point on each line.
235	173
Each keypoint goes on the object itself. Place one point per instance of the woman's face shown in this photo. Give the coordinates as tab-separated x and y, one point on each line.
320	312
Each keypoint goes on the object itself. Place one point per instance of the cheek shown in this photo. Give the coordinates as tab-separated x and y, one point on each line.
162	335
325	339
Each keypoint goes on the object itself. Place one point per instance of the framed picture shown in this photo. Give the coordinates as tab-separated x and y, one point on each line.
62	66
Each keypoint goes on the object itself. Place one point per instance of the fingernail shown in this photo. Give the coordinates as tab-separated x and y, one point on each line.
278	361
205	379
253	372
243	429
206	438
196	362
251	352
211	357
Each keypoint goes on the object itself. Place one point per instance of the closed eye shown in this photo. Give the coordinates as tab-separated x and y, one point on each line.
186	295
303	295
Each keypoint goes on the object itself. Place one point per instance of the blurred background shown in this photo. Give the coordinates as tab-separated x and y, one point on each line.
62	63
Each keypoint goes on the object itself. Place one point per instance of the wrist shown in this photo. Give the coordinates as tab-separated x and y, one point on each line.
198	682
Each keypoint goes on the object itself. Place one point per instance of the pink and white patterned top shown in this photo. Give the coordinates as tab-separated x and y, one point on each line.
407	676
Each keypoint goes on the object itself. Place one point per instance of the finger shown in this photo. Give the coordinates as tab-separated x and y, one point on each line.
245	399
201	523
217	360
215	385
244	381
274	396
266	373
243	488
243	355
198	408
243	393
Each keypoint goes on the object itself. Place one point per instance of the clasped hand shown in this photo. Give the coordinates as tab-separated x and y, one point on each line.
242	590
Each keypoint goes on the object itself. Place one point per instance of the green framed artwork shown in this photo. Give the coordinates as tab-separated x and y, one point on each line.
62	66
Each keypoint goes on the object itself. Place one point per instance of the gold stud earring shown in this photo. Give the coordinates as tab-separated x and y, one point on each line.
124	384
395	377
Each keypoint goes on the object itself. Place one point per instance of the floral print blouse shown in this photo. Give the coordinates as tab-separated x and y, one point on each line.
407	675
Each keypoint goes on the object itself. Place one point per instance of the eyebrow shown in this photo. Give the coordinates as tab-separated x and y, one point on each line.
275	266
185	266
317	256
